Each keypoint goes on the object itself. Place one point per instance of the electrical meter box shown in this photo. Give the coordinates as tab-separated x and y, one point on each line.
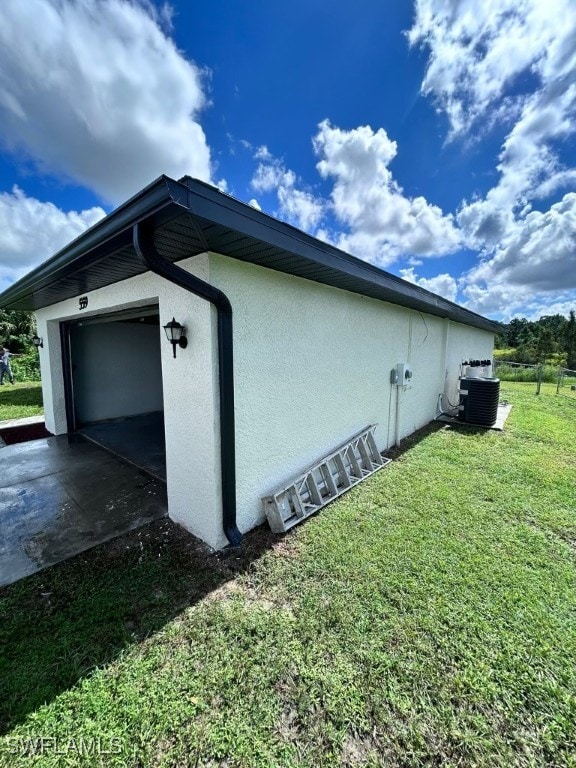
403	374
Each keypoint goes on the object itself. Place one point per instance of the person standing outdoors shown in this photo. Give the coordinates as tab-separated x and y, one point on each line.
5	367
2	366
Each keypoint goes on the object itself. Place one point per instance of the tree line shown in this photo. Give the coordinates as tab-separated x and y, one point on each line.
17	329
550	339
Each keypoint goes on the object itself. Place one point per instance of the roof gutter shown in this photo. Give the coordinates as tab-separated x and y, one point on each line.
210	203
114	231
143	239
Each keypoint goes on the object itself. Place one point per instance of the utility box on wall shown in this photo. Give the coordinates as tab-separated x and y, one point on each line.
403	374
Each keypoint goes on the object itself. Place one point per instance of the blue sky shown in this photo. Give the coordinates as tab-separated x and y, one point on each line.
436	139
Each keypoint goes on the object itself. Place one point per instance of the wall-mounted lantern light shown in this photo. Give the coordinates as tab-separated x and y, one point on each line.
175	335
37	341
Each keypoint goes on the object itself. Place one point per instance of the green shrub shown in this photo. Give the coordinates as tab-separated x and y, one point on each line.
557	359
26	367
504	354
528	354
517	373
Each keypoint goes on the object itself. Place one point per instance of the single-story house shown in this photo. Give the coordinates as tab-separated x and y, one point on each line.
292	346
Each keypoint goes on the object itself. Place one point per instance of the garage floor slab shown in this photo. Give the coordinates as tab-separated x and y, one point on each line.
62	495
138	439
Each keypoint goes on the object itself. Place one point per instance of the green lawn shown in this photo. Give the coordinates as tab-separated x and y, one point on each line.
20	400
428	618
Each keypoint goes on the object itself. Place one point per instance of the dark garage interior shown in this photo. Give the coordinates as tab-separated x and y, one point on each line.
116	385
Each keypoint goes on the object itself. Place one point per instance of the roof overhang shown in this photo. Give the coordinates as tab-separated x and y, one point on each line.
190	217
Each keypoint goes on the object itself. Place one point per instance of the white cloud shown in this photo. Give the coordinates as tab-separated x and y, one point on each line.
262	153
31	231
534	263
374	220
539	251
382	222
478	51
495	300
297	206
529	168
511	62
507	301
444	285
559	180
561	306
94	90
479	48
255	204
272	174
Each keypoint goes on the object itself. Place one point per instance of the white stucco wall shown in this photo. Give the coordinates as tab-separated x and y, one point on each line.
312	367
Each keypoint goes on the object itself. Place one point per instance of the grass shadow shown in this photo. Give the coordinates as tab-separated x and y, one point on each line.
21	395
411	441
407	443
60	624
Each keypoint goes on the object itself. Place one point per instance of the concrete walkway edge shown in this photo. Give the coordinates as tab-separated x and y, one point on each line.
23	422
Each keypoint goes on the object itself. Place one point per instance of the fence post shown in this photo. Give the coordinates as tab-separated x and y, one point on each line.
558	381
539	380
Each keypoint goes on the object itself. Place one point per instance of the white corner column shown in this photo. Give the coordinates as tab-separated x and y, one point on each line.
191	417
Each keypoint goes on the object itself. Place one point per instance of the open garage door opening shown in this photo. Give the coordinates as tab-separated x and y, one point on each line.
115	395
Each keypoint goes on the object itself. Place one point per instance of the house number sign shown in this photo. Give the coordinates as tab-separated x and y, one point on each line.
83	301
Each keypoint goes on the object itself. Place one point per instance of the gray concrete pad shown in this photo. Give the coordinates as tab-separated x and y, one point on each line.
501	416
62	495
138	439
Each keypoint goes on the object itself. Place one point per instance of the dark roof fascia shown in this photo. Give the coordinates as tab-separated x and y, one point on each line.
111	233
207	202
212	204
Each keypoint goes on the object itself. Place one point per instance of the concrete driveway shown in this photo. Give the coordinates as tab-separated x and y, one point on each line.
62	495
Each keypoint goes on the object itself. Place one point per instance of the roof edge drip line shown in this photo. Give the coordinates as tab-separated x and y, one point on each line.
143	239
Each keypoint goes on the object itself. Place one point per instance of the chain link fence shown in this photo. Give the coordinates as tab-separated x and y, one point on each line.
564	378
566	383
506	370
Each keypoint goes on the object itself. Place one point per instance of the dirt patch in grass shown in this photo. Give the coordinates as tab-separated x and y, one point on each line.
360	750
163	538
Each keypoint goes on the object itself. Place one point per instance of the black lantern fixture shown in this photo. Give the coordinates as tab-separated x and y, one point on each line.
175	335
38	342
